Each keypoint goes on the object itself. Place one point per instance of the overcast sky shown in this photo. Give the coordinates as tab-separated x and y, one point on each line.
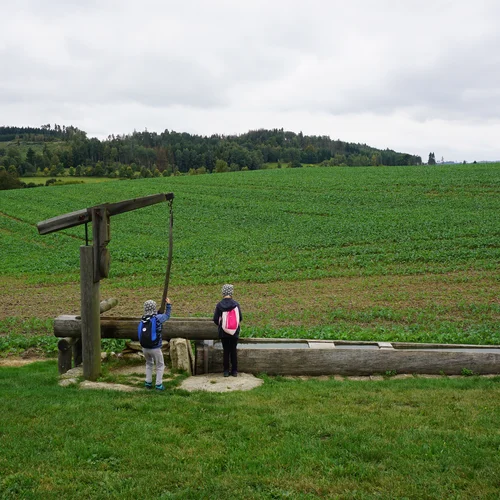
410	75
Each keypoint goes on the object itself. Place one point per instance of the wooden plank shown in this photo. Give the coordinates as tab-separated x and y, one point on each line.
90	316
321	345
63	221
416	345
83	216
135	203
385	345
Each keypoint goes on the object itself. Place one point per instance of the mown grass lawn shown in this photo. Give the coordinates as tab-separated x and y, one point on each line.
413	438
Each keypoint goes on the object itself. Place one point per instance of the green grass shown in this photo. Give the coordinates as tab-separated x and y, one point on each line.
18	335
390	439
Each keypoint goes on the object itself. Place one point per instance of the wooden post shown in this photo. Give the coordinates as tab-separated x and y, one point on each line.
91	327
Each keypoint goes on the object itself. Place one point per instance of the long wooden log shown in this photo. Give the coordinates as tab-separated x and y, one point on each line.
352	361
126	328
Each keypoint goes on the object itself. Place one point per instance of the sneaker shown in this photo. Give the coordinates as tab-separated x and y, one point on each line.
159	387
148	385
226	374
234	374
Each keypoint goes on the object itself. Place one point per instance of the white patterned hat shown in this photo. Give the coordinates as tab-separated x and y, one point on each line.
149	307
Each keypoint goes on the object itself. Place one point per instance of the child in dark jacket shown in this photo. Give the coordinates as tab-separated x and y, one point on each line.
229	342
153	354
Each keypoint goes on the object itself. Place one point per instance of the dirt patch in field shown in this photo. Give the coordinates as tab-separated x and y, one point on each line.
15	362
299	302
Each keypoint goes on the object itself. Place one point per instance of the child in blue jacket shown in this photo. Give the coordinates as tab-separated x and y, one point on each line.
153	353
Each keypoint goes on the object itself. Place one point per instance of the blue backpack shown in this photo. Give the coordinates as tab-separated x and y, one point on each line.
146	332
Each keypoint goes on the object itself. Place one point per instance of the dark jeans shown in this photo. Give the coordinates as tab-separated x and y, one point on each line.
229	344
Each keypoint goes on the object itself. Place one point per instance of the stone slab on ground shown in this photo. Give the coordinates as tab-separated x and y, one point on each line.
73	373
216	382
65	382
87	384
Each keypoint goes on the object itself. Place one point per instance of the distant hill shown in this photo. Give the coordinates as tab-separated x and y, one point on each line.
61	150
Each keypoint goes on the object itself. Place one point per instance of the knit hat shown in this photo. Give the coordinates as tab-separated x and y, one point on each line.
149	307
227	290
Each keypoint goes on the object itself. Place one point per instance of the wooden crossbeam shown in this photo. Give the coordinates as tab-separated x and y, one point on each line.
83	216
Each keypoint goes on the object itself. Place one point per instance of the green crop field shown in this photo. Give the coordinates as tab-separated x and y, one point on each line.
408	253
274	225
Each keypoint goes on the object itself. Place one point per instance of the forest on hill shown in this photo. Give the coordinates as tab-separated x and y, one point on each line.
66	150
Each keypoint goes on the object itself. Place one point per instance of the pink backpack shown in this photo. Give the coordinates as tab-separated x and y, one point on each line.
230	321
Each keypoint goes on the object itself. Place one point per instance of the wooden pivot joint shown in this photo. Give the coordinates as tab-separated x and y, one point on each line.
102	235
107	304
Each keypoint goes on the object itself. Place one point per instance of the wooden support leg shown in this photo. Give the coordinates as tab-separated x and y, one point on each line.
205	357
77	352
64	355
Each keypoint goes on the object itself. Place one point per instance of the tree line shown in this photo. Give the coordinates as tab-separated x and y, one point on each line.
66	150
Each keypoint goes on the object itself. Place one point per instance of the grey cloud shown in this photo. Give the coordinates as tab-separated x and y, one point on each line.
259	62
460	84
